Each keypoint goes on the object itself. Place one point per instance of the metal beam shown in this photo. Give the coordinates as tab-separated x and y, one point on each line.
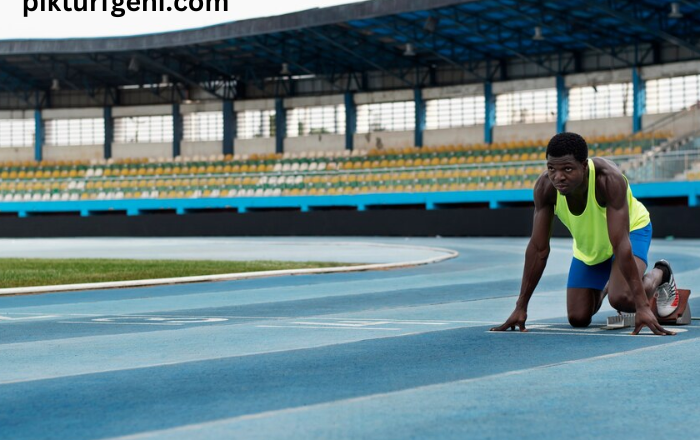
350	121
562	104
490	112
551	26
299	66
478	33
420	117
634	22
358	56
418	43
230	126
280	125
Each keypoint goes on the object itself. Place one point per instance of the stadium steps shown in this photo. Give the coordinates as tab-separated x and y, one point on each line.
446	168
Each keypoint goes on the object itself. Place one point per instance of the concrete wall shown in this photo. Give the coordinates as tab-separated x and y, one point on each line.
216	106
523	132
326	142
150	151
683	124
314	101
73	152
601	127
16	114
384	139
254	146
454	136
189	149
254	104
142	110
73	113
378	97
15	154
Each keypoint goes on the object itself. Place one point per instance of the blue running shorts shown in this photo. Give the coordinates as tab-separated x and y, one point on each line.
596	277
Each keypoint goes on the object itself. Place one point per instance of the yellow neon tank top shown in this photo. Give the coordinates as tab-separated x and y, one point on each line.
590	229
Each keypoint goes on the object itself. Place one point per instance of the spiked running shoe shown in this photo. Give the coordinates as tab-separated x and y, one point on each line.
666	294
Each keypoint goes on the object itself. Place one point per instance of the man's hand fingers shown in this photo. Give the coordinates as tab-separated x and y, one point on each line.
665	332
655	328
500	328
522	327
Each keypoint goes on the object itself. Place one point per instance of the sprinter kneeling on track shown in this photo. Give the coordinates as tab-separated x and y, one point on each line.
612	234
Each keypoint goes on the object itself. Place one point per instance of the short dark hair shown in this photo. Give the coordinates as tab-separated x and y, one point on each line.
563	144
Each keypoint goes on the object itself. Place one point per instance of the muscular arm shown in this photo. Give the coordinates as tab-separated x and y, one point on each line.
614	189
536	253
615	193
537	250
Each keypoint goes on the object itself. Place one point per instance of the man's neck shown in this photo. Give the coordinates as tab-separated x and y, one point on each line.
581	192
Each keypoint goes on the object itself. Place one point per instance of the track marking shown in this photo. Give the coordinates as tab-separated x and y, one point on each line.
326	328
26	318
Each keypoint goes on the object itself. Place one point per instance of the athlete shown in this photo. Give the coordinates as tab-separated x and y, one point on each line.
612	233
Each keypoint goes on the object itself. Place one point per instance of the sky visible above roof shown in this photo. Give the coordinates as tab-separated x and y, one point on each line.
25	19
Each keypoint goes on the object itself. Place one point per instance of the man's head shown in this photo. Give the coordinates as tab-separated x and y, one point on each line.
567	164
564	144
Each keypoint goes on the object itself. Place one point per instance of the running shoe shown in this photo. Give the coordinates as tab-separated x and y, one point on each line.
666	294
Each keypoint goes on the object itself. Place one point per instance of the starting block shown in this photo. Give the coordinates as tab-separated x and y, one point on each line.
620	321
681	316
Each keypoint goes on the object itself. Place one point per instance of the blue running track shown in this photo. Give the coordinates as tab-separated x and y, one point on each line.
397	354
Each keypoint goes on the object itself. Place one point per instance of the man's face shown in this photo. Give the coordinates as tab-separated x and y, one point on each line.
566	173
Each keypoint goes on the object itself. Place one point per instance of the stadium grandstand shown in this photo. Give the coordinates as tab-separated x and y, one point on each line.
393	117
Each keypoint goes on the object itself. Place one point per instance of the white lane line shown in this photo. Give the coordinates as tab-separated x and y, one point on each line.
326	328
596	332
273	413
26	318
118	323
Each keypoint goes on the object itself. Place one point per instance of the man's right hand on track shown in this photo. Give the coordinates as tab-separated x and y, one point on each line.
517	318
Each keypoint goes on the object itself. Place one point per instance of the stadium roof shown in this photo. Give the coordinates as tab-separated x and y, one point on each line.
395	37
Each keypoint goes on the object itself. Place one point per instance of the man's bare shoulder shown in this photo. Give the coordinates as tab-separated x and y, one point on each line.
608	178
544	192
605	167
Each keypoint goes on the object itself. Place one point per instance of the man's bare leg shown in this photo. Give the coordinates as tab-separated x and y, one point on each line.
581	305
620	295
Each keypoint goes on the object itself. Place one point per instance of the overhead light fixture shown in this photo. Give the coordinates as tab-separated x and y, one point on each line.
538	34
55	85
675	11
285	69
430	24
134	65
409	52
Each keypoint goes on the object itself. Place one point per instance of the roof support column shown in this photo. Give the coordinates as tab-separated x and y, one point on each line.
490	108
39	136
420	116
177	130
562	104
639	103
350	121
280	125
109	132
230	127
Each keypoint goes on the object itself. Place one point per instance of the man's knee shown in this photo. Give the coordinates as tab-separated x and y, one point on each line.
579	319
623	303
